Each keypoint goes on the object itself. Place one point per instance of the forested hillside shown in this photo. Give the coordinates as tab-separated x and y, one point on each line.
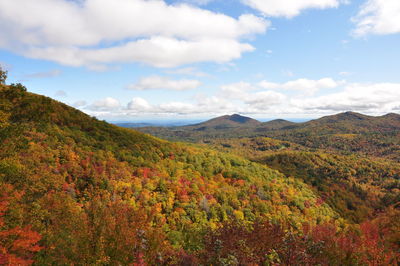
349	133
344	133
76	190
356	187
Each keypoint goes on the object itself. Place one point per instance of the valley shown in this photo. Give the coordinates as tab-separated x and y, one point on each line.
74	188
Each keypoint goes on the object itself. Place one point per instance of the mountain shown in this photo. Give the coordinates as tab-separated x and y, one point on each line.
275	125
346	133
351	122
216	127
74	189
356	187
225	122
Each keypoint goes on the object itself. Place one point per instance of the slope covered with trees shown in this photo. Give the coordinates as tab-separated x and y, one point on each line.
92	192
356	187
75	190
344	133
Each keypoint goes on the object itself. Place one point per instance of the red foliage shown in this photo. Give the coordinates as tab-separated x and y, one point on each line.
18	244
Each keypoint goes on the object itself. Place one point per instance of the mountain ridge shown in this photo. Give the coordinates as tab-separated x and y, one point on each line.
226	121
346	132
237	120
90	190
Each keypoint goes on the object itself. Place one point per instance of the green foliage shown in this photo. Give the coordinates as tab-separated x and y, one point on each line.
101	194
3	76
84	191
345	133
354	186
266	244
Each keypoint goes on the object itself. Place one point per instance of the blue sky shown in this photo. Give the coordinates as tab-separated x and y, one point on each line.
135	60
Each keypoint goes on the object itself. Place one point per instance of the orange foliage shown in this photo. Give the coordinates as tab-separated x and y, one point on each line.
18	244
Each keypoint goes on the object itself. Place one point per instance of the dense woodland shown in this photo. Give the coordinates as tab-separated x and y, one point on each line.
356	187
345	133
78	191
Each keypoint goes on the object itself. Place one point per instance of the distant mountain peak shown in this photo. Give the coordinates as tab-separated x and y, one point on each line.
279	120
352	114
345	116
392	115
240	119
227	121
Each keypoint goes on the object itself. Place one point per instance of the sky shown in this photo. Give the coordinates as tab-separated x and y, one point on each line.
140	60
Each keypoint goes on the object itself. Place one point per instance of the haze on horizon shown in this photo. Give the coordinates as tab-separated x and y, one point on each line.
137	60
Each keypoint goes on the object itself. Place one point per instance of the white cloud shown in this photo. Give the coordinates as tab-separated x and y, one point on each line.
139	105
95	32
307	86
107	104
158	83
237	90
156	51
289	8
177	108
378	17
207	105
264	99
215	104
252	95
370	98
246	98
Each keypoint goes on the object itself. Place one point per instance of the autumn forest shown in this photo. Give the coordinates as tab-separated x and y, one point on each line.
75	190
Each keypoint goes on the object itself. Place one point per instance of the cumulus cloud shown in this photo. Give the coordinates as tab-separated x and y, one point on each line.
237	90
176	108
159	83
104	31
264	99
370	98
247	98
203	105
307	86
289	8
378	17
106	104
253	96
215	104
139	105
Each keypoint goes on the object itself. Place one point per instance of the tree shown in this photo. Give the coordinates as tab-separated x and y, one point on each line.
17	244
3	76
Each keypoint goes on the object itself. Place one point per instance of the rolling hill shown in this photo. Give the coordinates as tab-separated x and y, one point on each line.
225	122
74	188
357	188
344	133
